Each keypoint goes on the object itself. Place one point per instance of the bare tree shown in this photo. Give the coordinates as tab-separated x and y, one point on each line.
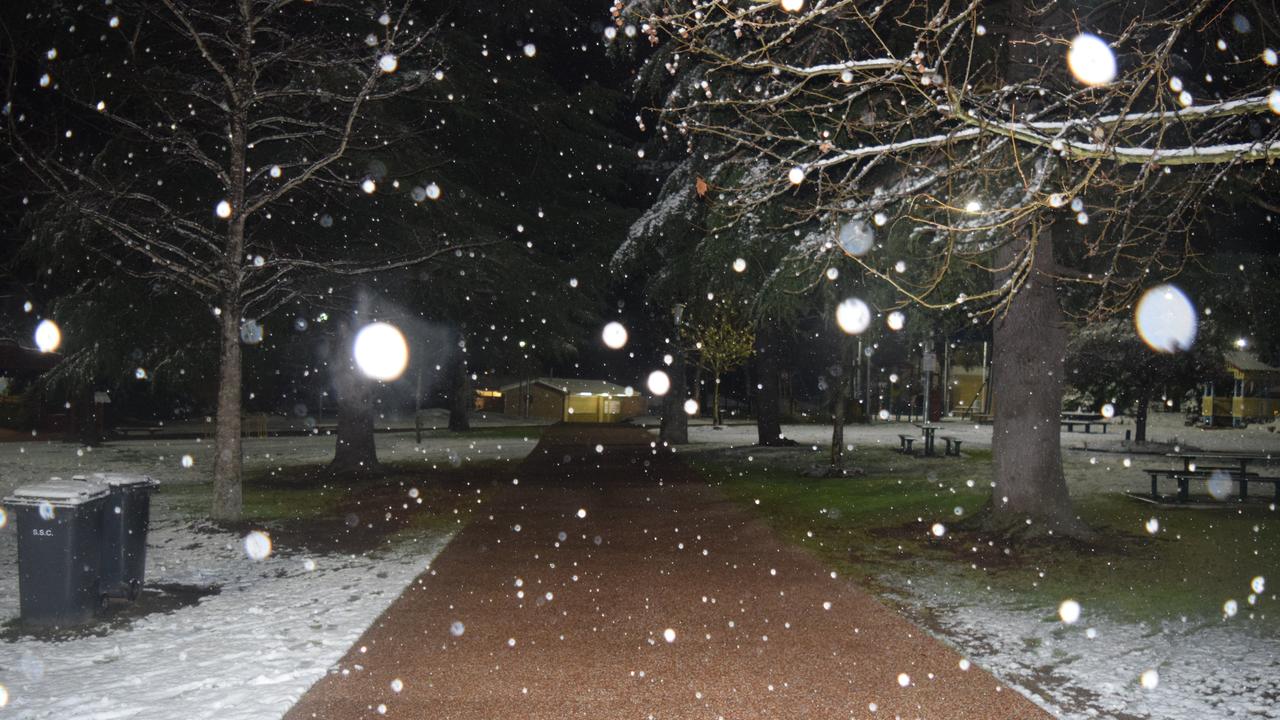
199	141
723	341
946	149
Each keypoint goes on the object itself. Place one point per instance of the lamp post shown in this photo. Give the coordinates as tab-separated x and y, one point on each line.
868	351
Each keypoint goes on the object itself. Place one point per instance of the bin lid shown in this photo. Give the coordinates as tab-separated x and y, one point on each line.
58	492
118	479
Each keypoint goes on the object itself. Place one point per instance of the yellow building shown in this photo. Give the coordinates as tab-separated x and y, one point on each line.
1254	394
571	400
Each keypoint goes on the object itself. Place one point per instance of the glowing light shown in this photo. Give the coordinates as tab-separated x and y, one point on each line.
275	171
48	336
381	352
388	63
614	335
4	696
856	238
1108	411
1069	611
222	209
659	382
796	175
140	374
4	518
1269	57
257	545
853	316
1153	526
792	5
1230	608
1149	679
1258	584
250	332
669	635
904	679
530	49
46	510
691	407
883	414
433	191
457	628
582	512
739	265
1219	485
938	529
832	273
397	685
1165	319
1091	60
973	206
369	186
896	320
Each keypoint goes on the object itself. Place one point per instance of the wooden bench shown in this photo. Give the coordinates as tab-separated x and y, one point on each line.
127	430
1070	425
953	445
1184	478
906	441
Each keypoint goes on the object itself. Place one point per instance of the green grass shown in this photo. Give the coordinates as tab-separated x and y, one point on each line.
301	496
879	524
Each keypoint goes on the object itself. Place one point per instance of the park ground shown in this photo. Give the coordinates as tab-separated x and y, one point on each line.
226	636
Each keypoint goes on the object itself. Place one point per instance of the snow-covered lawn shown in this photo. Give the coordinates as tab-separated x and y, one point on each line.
249	650
1095	668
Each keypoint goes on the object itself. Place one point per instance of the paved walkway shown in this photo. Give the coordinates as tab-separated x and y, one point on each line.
615	585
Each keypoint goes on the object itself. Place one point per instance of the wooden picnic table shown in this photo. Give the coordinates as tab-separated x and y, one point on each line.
1088	420
1225	465
928	429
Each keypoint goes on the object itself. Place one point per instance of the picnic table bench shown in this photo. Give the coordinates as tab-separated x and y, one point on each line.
1071	420
953	445
1228	467
127	430
906	441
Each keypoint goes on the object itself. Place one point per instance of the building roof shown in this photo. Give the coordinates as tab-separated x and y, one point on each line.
14	357
1248	362
576	386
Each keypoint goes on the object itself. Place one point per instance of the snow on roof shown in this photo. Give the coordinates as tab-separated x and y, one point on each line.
1248	362
577	386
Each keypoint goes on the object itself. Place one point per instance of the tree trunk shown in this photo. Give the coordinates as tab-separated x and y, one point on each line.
698	394
675	421
1029	346
460	393
1140	418
768	402
355	450
839	400
715	401
228	499
227	455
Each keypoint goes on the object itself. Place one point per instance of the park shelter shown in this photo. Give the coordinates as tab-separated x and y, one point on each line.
1254	393
572	400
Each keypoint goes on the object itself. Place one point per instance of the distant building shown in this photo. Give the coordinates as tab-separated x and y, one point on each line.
1254	395
566	400
21	409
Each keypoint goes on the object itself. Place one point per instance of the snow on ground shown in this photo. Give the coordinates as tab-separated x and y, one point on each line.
249	651
1094	668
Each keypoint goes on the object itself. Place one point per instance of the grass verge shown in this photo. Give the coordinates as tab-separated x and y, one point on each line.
880	525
